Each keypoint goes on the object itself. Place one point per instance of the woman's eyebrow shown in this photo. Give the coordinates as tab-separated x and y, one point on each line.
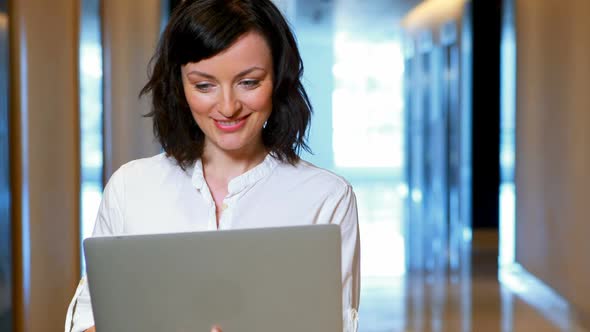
211	77
196	72
248	71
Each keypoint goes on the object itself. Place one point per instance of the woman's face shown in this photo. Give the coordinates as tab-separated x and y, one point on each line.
230	95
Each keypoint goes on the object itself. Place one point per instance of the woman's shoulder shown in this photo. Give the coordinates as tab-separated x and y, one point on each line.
150	170
154	163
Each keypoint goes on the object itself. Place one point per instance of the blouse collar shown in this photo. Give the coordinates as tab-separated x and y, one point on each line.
240	182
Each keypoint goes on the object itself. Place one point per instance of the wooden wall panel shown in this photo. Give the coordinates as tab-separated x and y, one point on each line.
44	160
552	138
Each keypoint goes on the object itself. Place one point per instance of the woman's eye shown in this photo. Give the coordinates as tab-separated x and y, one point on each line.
250	83
204	87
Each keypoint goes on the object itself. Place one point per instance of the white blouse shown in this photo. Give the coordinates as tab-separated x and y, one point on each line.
154	195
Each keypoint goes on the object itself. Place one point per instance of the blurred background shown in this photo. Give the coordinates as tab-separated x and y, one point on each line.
463	127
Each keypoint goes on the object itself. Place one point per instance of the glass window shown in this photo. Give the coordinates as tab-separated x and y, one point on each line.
507	136
353	75
367	101
91	114
368	138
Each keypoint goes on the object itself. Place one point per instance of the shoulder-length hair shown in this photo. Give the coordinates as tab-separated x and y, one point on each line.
200	29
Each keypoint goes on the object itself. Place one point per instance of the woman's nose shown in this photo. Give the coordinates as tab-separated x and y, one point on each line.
229	105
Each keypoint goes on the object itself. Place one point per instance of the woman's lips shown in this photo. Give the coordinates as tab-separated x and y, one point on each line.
230	126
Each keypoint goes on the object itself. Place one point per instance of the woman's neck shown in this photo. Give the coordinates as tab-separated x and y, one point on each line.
220	167
225	165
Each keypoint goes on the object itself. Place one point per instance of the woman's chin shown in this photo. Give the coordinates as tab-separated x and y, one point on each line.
237	147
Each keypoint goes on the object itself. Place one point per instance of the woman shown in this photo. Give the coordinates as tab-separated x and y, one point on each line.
231	114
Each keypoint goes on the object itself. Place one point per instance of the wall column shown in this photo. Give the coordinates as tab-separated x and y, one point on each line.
130	33
44	160
552	139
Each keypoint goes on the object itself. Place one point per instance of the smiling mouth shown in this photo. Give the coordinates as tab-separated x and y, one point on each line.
229	126
228	123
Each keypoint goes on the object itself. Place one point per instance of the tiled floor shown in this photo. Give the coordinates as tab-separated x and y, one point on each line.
461	302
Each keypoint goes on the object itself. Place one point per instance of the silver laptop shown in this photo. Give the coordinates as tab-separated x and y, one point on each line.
270	279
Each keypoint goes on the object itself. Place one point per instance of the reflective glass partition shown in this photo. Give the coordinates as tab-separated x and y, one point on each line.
421	151
5	221
91	114
409	109
434	132
427	77
452	111
507	135
438	131
415	160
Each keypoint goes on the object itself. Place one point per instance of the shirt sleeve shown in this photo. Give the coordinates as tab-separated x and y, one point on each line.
109	221
346	215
